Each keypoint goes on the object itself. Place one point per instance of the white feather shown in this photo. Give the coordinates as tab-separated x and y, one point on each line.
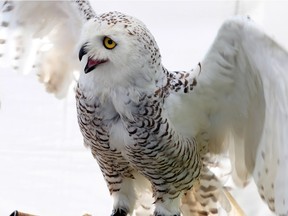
241	100
45	42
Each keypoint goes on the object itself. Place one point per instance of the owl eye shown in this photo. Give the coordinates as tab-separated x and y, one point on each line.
109	43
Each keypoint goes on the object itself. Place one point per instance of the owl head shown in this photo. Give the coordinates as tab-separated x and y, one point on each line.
119	48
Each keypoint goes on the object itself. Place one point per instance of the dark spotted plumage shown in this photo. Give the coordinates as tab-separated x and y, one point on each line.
128	128
85	8
169	160
95	128
158	150
182	81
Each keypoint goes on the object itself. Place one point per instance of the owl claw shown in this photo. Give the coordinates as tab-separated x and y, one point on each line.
119	212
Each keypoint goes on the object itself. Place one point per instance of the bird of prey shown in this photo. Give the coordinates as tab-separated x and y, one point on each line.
157	134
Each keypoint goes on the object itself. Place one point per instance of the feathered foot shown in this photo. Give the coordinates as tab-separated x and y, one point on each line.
119	212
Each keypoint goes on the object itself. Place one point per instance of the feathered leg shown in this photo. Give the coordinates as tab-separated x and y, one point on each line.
120	182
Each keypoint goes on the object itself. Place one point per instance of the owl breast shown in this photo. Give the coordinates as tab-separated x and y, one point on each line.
101	124
104	134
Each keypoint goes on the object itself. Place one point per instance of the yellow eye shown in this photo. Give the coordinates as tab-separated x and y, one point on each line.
109	43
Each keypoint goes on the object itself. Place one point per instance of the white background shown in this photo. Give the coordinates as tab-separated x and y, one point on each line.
44	167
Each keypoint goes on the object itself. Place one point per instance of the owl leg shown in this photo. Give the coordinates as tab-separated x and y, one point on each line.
119	178
119	212
124	197
168	206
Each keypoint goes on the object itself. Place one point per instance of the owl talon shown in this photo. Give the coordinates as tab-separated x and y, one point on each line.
119	212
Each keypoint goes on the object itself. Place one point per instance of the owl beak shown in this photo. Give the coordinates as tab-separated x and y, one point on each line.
82	51
92	64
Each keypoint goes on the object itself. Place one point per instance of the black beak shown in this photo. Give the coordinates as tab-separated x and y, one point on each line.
82	51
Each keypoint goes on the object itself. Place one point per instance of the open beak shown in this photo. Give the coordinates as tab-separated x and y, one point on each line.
91	63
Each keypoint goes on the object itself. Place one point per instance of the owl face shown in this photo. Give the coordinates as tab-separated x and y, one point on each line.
119	47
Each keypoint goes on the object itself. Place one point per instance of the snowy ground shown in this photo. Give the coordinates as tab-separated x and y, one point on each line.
44	168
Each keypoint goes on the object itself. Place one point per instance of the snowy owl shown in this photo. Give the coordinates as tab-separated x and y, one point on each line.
138	118
157	134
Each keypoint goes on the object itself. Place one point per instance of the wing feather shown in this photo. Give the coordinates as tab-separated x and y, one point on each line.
244	85
43	36
240	102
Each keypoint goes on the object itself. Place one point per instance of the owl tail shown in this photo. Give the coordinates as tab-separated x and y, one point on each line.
209	198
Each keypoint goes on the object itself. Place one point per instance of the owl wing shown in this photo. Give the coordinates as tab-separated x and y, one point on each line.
241	99
41	36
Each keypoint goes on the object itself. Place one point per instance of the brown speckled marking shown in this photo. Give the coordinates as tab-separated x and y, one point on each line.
85	8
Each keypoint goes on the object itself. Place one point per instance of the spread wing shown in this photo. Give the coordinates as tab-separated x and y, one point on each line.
241	101
41	36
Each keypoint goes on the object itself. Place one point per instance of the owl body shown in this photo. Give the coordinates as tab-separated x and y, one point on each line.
129	133
131	111
139	119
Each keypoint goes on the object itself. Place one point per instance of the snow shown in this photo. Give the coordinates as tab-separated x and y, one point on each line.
45	169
